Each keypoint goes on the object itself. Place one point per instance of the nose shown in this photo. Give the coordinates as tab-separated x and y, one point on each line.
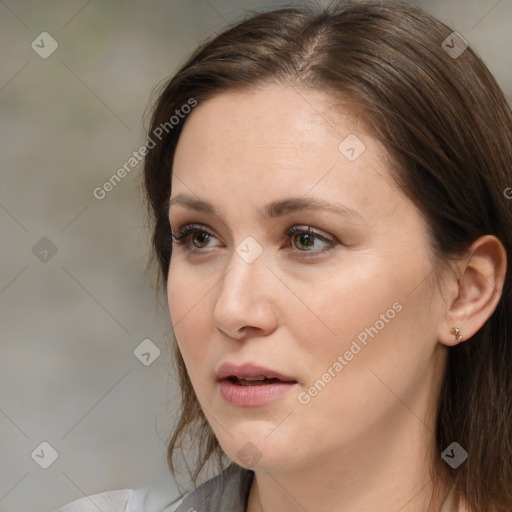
244	305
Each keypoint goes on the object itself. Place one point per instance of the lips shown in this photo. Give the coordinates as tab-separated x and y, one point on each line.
250	385
249	374
253	381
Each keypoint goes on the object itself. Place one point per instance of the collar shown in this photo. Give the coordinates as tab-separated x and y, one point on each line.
228	491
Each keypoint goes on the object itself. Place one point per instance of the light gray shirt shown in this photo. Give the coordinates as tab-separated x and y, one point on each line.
226	492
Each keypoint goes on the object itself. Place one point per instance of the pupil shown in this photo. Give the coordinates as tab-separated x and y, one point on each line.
201	238
306	240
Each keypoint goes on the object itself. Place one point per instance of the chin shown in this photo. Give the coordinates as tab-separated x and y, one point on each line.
257	453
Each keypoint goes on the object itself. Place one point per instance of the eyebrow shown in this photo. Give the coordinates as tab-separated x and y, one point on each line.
274	209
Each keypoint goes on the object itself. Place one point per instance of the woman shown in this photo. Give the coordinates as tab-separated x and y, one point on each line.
331	218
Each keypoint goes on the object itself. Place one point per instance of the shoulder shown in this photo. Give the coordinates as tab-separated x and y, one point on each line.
450	504
111	501
126	500
226	491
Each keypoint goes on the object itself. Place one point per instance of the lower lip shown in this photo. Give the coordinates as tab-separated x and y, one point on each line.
251	396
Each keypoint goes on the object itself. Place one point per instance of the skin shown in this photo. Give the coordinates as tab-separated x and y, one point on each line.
364	441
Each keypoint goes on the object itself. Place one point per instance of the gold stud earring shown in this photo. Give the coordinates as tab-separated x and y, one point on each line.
455	331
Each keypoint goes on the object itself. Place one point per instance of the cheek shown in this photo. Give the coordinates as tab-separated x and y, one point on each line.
333	310
369	317
189	311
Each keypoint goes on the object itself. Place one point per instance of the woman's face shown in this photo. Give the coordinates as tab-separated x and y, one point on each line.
345	314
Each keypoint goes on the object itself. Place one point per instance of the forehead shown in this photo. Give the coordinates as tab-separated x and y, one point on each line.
276	119
269	142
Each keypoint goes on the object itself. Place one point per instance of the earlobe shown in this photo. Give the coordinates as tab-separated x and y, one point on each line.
476	292
456	333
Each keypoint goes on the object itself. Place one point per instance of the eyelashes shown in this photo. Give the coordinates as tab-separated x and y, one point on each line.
185	233
195	238
307	236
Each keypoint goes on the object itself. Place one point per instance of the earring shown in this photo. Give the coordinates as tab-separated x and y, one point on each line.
455	331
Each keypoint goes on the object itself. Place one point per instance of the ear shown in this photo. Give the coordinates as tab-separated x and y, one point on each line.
475	292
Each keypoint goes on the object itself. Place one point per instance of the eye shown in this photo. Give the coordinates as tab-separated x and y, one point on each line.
192	236
306	239
303	239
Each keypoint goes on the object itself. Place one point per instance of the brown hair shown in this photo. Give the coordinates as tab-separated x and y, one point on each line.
447	127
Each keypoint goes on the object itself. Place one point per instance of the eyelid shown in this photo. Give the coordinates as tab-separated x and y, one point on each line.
188	229
294	228
330	240
309	229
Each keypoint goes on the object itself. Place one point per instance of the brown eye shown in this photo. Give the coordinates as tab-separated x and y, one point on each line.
193	237
304	241
200	239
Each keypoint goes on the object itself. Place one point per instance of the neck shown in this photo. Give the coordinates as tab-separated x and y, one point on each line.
369	479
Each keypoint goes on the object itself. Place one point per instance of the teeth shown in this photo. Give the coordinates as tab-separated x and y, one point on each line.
251	381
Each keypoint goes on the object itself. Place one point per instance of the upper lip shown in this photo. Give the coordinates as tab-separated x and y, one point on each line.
250	370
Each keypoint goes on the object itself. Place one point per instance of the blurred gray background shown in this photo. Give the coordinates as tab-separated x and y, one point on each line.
75	299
